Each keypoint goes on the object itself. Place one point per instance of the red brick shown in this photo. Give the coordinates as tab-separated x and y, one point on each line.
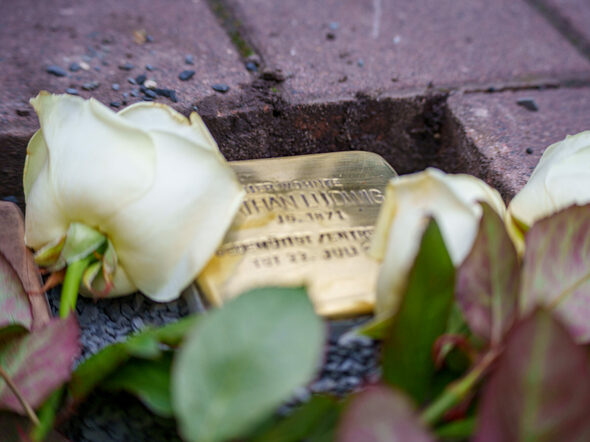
497	132
405	45
574	13
36	34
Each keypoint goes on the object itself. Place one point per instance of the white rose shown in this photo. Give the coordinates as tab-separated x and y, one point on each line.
410	200
145	189
561	179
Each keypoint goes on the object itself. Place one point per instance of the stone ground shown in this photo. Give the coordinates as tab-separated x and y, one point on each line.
476	86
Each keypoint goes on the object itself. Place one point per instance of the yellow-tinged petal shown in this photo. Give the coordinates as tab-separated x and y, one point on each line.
45	221
190	206
157	116
34	161
98	162
410	200
560	179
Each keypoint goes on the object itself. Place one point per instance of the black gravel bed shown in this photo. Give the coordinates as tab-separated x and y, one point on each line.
349	364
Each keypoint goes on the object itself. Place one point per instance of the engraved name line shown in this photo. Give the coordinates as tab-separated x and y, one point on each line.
311	200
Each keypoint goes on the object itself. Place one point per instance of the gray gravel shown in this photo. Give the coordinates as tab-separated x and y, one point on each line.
348	365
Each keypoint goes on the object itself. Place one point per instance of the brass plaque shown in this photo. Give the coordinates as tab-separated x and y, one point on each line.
305	220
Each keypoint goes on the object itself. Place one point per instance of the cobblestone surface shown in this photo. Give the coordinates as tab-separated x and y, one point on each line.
341	47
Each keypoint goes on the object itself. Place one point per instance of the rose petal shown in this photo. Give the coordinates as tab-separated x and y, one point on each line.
156	116
450	199
45	221
98	162
190	206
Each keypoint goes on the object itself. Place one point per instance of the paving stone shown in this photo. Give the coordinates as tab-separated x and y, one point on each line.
35	36
380	46
574	13
499	133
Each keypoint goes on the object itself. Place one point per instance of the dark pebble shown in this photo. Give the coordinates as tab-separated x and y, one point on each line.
149	67
131	80
196	108
75	67
146	98
126	67
23	112
56	70
150	93
360	62
135	93
186	75
220	87
97	68
251	66
115	104
149	39
90	86
10	199
163	92
189	59
330	36
115	86
140	79
273	75
343	79
529	150
72	91
528	104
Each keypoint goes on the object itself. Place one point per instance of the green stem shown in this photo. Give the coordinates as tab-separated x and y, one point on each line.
457	391
71	285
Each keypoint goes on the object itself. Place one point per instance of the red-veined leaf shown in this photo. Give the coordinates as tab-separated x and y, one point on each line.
540	389
556	269
487	281
39	362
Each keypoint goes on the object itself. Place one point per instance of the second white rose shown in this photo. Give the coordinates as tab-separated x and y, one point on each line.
452	200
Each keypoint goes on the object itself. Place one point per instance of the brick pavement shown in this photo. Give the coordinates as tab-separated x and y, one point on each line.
421	82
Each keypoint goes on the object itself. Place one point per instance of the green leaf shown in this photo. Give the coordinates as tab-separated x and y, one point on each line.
15	308
146	345
148	380
374	329
458	430
312	421
381	414
39	362
487	281
540	389
422	317
556	269
241	361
